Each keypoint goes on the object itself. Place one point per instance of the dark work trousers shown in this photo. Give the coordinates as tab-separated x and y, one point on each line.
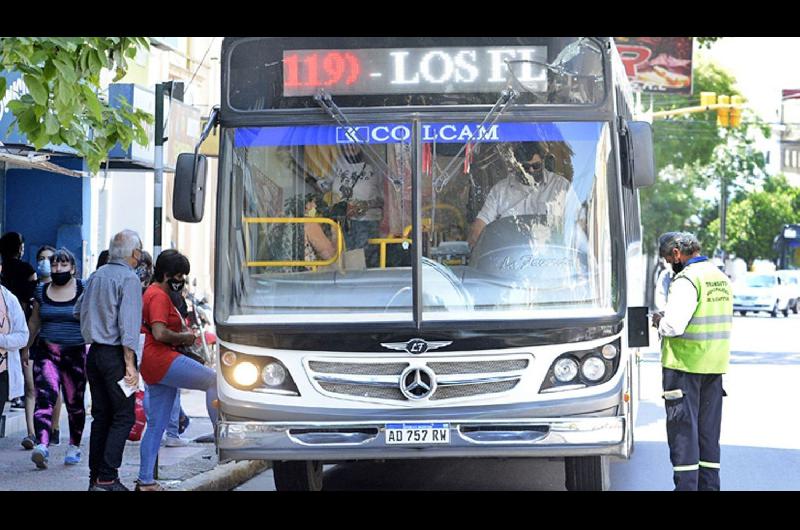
693	429
112	412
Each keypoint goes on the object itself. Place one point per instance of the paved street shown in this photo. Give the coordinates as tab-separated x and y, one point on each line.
760	432
176	464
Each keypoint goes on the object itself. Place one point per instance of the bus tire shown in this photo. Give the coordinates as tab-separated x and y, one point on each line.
796	303
298	475
587	473
743	313
774	312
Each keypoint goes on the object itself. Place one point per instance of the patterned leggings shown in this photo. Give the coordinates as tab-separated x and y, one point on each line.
55	365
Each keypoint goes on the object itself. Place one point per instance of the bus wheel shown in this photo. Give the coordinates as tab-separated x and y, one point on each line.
786	311
774	312
587	473
299	475
796	303
743	313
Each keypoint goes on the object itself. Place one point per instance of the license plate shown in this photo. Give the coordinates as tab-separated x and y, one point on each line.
417	433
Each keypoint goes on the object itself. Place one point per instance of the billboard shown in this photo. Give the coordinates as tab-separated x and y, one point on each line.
657	64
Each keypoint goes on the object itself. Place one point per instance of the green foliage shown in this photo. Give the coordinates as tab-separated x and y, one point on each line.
706	42
62	75
671	203
700	129
754	221
693	157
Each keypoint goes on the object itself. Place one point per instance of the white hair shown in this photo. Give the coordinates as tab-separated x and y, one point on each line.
123	244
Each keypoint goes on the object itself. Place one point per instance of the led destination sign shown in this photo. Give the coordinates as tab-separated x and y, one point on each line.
411	70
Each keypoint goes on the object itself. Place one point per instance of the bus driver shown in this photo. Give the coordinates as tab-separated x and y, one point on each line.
529	190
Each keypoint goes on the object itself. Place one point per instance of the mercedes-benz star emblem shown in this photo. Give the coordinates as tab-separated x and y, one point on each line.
417	382
417	346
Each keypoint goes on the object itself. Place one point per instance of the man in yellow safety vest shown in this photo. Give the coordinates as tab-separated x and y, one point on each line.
695	328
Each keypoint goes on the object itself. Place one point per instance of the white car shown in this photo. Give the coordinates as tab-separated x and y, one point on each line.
761	291
790	279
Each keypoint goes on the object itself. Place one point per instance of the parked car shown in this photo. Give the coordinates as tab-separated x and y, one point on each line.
791	282
761	291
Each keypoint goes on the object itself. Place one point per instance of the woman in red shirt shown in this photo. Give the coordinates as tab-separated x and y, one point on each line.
164	369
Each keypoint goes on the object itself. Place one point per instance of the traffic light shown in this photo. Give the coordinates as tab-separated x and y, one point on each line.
736	113
708	98
724	113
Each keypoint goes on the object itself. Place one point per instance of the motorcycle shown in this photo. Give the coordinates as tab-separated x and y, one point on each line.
200	318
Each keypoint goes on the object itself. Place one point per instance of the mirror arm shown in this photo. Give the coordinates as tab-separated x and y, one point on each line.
213	121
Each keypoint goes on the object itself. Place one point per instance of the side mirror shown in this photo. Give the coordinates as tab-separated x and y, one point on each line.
644	171
189	193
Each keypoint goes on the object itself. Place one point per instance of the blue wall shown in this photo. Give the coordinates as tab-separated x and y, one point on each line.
48	208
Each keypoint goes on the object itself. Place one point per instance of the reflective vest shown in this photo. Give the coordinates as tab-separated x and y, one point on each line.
704	347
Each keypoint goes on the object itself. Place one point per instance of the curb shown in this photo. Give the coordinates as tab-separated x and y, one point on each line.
225	477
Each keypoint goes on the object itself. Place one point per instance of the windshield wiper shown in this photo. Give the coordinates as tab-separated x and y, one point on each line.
502	104
325	101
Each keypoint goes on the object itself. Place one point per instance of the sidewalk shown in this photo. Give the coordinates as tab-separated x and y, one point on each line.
193	467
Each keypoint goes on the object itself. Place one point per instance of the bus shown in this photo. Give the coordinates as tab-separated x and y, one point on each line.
426	248
787	248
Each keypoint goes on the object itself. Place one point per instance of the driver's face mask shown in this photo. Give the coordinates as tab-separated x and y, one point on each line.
533	172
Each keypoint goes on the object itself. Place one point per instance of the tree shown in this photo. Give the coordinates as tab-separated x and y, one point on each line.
755	220
671	135
63	106
694	157
682	147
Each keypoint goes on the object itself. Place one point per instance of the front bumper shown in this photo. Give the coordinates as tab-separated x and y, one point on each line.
748	306
336	441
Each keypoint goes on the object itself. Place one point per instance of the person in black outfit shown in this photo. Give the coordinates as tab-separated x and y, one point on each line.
102	259
19	277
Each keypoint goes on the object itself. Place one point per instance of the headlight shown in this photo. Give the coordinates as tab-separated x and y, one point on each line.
566	369
609	351
273	374
593	368
577	369
245	374
228	358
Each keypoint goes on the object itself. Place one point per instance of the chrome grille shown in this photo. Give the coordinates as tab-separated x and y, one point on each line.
477	367
393	394
357	368
456	391
379	379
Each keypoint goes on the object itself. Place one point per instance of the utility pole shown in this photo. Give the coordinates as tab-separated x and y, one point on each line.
723	211
158	165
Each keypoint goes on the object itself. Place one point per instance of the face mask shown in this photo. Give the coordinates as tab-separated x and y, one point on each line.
142	272
678	267
61	278
311	213
534	172
176	286
43	269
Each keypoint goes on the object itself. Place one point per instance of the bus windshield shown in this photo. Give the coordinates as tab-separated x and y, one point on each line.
316	222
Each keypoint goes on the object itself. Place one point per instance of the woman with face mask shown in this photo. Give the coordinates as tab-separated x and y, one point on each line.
58	352
163	368
43	263
43	257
